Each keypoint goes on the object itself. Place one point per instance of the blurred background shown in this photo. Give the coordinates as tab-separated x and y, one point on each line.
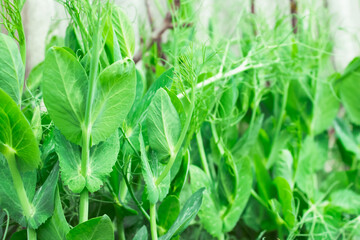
40	16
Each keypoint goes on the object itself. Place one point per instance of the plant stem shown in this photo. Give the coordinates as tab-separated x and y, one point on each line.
153	225
241	68
31	234
120	228
84	206
86	131
138	204
84	195
217	139
202	153
18	184
20	190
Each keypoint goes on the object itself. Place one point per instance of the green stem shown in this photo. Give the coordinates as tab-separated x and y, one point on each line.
120	228
22	46
20	190
153	225
84	206
84	195
138	204
122	190
217	139
86	129
202	153
31	234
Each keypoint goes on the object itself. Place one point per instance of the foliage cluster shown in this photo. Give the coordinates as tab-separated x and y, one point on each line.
252	134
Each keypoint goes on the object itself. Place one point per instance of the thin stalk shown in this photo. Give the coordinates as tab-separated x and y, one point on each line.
217	139
241	68
22	46
135	199
202	153
31	234
20	190
259	199
120	228
123	190
84	206
122	194
153	225
7	224
84	196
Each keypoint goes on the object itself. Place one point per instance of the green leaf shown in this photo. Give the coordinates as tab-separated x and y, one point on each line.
163	125
348	93
56	227
9	199
124	32
347	200
43	201
70	163
325	107
114	97
283	166
178	106
228	177
180	179
140	107
36	124
313	154
286	200
12	69
16	134
243	192
152	190
168	212
228	101
141	234
102	158
211	220
71	40
111	46
99	228
347	138
277	145
164	185
186	215
247	141
35	76
264	182
64	88
20	235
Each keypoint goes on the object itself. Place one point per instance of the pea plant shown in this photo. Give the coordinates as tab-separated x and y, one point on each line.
240	131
